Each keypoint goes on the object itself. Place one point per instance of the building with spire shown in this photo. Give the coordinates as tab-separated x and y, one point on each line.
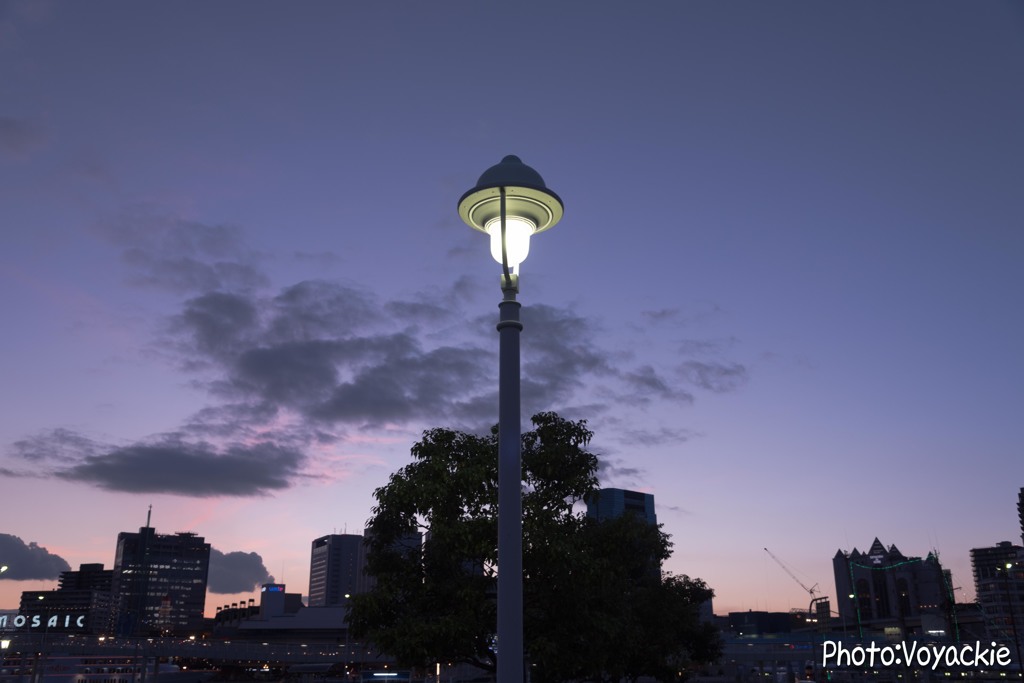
159	583
882	591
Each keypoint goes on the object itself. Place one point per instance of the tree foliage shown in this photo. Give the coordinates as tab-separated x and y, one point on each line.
595	604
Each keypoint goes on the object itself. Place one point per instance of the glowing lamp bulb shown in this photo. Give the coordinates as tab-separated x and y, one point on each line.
517	239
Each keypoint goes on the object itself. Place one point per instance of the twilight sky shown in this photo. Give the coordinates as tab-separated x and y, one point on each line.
786	294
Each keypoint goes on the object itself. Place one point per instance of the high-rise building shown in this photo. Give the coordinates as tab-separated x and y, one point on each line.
883	590
999	587
159	582
81	603
612	503
336	567
608	504
88	577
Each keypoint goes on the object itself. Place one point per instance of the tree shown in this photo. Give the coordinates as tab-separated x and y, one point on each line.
595	603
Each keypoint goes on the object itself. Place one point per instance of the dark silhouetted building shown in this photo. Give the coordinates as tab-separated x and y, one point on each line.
84	593
611	503
999	587
751	623
1020	512
159	583
336	567
883	590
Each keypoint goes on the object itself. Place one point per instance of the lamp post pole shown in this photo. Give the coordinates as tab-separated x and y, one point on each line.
510	202
510	503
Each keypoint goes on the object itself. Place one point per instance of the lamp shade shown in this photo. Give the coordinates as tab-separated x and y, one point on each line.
526	197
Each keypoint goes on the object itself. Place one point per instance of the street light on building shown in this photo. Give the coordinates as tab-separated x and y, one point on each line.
510	202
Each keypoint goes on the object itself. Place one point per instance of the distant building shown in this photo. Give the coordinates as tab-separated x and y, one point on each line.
751	623
1020	512
336	567
159	582
235	612
88	577
237	620
883	591
612	503
281	617
999	587
408	545
83	593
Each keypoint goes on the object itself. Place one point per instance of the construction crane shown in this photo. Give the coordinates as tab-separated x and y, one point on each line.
812	591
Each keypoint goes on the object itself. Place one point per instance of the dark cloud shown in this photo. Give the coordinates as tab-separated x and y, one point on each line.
20	137
661	315
233	421
190	469
559	353
176	463
171	252
676	509
28	561
418	312
464	289
310	363
717	377
186	274
328	353
610	470
334	355
403	386
705	347
294	373
648	385
693	313
218	325
656	437
57	445
236	572
315	308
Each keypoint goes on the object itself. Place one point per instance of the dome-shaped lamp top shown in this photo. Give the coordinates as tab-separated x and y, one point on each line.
526	195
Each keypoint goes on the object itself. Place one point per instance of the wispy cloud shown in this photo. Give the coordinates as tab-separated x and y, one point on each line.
167	251
19	138
713	376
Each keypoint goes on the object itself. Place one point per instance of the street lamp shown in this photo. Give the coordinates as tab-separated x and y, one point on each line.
510	202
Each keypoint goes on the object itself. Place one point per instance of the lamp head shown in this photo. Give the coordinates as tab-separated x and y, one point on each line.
530	207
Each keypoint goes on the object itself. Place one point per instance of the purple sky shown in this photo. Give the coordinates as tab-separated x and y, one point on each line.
786	293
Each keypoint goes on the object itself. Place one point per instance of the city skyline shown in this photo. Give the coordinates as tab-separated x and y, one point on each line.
785	292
